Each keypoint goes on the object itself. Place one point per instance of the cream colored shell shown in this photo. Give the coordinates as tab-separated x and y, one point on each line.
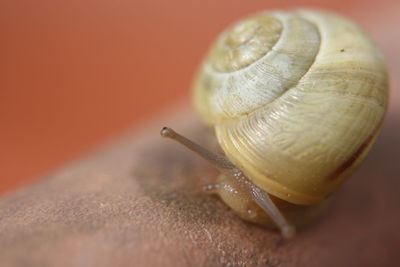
296	100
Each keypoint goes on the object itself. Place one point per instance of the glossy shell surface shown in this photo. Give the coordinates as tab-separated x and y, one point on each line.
296	100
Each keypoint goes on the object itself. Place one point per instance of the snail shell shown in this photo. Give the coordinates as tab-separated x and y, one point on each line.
296	100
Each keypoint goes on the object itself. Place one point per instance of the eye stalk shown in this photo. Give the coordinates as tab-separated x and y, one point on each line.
235	186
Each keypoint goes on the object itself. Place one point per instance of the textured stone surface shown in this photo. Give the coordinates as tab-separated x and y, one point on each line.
138	202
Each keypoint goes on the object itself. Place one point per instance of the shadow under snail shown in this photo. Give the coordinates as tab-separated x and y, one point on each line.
296	100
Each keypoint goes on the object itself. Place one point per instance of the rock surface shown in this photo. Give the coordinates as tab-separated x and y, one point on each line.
138	202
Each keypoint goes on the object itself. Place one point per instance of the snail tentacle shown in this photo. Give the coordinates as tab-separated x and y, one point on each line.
265	202
218	161
235	185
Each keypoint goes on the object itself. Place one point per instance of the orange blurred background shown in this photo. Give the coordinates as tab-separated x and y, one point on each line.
73	73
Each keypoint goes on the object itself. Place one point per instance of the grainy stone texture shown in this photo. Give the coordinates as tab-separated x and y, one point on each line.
139	202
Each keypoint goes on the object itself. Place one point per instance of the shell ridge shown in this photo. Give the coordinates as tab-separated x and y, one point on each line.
209	69
312	117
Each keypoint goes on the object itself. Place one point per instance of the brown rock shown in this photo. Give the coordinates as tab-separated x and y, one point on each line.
138	202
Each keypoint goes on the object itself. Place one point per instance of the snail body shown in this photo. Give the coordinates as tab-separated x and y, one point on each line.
296	100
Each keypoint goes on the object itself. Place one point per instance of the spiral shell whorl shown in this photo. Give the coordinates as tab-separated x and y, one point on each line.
245	43
237	79
303	110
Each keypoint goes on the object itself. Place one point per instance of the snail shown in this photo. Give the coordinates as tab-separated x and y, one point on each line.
296	100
